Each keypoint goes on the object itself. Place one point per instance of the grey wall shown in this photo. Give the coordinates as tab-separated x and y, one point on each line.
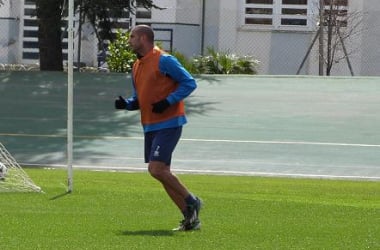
287	51
186	37
9	40
370	65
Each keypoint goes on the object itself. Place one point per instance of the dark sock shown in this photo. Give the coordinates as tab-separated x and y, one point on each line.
191	199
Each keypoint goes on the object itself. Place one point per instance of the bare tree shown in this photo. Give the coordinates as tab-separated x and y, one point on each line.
336	27
339	26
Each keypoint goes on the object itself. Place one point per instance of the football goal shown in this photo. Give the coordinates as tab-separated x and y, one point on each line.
12	177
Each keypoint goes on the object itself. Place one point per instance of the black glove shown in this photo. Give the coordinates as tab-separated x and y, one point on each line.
120	103
160	106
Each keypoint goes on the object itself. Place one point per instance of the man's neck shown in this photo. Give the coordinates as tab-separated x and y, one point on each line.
145	51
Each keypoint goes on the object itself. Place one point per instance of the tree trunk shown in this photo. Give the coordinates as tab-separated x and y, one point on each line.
49	34
330	25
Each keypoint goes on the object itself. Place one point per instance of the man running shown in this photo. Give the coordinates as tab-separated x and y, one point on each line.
160	84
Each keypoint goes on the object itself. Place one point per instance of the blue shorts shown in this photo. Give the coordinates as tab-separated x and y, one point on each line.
160	144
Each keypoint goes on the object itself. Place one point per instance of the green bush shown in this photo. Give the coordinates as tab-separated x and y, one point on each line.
186	63
121	57
219	63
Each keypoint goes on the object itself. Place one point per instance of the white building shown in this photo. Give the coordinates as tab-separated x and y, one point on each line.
279	33
276	32
10	29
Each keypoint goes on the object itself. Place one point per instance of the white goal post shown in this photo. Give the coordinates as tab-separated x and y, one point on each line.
70	93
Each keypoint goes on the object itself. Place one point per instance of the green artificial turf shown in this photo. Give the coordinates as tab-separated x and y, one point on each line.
116	210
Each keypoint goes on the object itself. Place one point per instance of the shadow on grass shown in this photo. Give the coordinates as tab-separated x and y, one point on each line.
147	233
60	195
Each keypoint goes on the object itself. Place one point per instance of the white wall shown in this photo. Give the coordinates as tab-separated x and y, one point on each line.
211	23
5	9
255	43
370	59
9	30
177	11
281	52
224	30
189	11
184	19
228	25
168	14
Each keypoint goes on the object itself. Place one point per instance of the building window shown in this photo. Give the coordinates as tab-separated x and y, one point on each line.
258	12
277	13
335	12
30	52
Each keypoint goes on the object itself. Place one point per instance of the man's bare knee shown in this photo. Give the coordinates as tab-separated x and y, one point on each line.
158	170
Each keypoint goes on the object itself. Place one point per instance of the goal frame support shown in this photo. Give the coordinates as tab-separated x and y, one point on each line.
70	94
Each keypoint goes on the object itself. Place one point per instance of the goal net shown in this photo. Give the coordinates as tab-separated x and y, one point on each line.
12	177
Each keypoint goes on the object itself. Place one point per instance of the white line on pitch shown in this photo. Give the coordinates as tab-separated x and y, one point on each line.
202	140
287	142
212	172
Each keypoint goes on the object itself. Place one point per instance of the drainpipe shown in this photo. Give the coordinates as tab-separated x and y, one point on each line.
203	27
321	36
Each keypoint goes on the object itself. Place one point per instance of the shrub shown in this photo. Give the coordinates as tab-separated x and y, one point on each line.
121	57
186	63
219	63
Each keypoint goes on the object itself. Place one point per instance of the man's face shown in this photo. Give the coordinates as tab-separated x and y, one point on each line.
135	41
